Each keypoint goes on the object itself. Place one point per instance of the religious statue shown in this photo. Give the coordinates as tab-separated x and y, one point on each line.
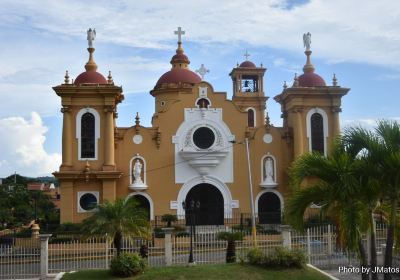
91	35
269	170
137	170
307	41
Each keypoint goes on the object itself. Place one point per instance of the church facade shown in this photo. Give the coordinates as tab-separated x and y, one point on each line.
203	145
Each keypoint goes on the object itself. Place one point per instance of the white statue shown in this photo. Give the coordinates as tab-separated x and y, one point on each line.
307	41
269	170
137	170
91	35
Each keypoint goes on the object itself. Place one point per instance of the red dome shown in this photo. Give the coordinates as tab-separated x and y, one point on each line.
90	77
180	57
311	80
247	64
179	75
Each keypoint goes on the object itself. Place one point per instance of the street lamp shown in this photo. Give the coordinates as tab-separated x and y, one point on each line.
190	209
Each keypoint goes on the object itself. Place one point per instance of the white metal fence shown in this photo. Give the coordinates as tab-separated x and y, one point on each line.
22	258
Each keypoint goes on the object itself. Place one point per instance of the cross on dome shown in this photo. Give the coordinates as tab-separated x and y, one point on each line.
179	32
246	55
202	71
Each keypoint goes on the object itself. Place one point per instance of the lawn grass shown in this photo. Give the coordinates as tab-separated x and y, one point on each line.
209	272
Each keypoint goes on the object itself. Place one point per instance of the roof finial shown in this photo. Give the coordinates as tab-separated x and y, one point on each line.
296	80
246	55
110	79
267	121
284	85
180	60
66	78
137	119
334	80
308	68
202	71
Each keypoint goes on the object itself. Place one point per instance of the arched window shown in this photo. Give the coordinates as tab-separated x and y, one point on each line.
317	133
317	130
250	117
87	133
203	103
88	136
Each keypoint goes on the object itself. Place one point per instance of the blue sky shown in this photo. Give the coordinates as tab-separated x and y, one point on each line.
135	40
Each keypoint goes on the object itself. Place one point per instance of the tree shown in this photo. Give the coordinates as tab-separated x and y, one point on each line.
123	218
383	149
231	237
339	184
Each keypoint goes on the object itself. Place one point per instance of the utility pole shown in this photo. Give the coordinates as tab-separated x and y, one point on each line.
253	218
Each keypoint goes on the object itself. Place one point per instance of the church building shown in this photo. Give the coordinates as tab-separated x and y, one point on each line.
203	145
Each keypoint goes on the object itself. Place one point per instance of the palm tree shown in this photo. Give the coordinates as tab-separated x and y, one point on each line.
336	182
383	148
231	237
123	218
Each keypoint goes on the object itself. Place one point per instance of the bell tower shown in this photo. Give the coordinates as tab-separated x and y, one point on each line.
248	89
310	109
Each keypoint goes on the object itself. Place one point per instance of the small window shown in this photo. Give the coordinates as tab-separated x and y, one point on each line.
317	133
87	136
250	118
203	103
87	201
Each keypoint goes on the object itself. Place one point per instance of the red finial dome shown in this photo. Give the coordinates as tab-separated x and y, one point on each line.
90	76
180	72
247	64
310	78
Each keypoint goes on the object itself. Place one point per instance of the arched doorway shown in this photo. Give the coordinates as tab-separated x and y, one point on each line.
211	211
269	208
143	203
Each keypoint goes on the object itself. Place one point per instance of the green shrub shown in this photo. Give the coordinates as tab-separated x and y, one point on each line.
126	265
255	256
280	258
169	219
284	258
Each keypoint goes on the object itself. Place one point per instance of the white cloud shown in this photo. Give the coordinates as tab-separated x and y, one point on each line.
21	147
342	30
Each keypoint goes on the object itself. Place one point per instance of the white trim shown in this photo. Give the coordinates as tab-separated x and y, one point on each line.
146	195
80	194
144	168
197	100
271	191
325	124
226	194
254	116
262	167
96	131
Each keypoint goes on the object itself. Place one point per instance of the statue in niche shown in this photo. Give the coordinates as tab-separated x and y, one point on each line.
269	170
137	170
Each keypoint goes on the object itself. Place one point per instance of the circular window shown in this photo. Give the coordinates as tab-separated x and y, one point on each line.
88	201
203	137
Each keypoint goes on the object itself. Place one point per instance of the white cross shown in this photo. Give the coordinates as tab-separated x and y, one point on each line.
179	32
247	55
202	71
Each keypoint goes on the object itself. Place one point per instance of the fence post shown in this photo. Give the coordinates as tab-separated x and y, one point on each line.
44	255
308	245
107	251
286	236
168	245
329	240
